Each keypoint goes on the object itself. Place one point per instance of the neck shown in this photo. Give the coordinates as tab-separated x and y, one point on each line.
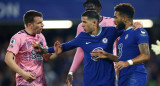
96	30
28	30
128	24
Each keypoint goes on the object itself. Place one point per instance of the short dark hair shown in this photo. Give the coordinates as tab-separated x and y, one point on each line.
95	2
29	16
125	9
91	15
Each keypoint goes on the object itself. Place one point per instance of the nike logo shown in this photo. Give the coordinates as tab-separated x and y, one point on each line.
88	42
142	32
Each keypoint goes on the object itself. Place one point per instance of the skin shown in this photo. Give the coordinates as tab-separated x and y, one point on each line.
90	25
143	48
33	29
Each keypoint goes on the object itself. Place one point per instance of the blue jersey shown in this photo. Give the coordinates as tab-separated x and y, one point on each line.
101	72
128	49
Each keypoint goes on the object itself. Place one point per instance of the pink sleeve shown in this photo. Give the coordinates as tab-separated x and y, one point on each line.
80	29
79	53
77	59
111	22
14	45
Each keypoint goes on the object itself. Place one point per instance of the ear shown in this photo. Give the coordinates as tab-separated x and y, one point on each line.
29	25
95	22
125	18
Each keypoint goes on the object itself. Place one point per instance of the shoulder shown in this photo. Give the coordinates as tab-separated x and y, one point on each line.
109	28
108	19
80	29
19	34
141	31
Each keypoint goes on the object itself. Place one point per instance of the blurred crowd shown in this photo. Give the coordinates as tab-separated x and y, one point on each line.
56	71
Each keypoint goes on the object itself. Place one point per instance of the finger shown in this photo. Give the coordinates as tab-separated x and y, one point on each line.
94	54
94	51
158	42
32	77
96	58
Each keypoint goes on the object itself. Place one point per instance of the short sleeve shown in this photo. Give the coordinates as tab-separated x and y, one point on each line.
14	44
142	36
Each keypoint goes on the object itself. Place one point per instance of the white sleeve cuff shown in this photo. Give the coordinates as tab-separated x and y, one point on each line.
130	62
71	73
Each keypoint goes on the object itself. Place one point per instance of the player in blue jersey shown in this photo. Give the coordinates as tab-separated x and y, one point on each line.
96	72
133	48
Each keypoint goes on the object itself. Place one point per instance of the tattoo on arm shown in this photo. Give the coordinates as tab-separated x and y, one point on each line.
144	48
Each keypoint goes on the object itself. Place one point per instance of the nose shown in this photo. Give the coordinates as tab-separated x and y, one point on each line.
42	25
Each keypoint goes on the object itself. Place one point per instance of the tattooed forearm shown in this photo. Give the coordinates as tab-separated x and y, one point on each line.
144	48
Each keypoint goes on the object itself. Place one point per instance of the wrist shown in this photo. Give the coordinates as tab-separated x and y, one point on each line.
70	73
130	62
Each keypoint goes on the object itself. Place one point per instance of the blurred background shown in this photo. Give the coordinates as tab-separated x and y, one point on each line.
11	21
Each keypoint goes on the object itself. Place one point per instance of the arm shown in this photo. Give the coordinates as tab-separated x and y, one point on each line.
144	56
77	59
12	64
103	55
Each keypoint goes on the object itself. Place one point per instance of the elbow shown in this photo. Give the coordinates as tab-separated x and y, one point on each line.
147	57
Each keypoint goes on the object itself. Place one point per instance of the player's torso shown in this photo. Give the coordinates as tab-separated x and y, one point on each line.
104	41
127	45
128	49
28	60
103	67
27	54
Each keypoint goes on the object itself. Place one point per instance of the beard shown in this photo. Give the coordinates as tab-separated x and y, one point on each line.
121	26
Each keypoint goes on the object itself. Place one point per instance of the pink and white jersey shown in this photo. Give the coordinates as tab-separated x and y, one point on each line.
104	22
26	57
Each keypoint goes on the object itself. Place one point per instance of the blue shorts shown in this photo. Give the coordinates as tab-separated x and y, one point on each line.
133	79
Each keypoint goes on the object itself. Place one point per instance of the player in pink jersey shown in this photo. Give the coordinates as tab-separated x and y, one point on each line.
21	56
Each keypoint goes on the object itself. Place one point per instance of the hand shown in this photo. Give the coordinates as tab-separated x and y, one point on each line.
100	54
121	64
156	48
28	76
137	25
69	80
37	47
57	48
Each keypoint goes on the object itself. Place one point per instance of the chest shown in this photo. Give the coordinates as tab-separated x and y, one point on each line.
26	42
97	43
127	40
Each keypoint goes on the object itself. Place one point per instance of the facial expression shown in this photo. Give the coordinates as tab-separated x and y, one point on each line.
118	20
37	25
87	25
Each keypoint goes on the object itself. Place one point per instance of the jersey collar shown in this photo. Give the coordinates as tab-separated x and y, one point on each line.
98	32
129	28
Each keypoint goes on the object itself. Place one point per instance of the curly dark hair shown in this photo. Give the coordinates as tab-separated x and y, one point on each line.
125	9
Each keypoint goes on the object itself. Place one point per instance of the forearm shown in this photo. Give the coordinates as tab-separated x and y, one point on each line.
77	59
144	54
140	59
12	64
113	57
50	56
